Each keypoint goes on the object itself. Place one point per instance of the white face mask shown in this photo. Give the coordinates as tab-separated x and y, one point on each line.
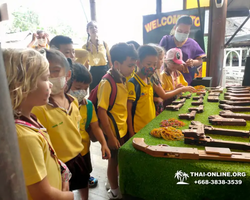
181	37
79	94
59	84
41	42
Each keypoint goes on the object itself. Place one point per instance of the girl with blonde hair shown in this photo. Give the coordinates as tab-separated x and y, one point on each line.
161	96
155	79
28	80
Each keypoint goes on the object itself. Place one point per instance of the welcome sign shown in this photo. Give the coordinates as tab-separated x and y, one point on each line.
156	26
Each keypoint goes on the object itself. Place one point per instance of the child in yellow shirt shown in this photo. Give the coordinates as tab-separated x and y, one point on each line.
65	45
61	117
114	121
155	79
171	78
141	108
28	78
80	82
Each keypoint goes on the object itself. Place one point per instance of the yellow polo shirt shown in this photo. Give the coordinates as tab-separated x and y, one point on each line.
130	76
119	110
145	108
93	54
63	127
168	83
84	134
81	56
36	159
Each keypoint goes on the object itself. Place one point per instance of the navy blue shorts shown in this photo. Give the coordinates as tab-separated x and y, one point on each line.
80	167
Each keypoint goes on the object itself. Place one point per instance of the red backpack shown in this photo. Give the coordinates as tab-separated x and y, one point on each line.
93	93
93	98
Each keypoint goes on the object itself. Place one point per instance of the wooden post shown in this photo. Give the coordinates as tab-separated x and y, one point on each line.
184	4
92	10
216	41
11	173
158	6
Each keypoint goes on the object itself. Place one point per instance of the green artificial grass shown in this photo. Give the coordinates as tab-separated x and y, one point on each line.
147	177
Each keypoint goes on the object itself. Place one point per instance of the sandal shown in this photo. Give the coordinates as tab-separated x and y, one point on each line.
92	182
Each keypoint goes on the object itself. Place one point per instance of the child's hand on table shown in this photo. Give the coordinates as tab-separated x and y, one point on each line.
179	85
188	89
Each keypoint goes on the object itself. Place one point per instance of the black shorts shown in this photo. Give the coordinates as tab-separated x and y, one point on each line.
97	73
114	152
80	167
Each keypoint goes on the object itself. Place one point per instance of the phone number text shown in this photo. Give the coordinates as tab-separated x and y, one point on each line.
218	182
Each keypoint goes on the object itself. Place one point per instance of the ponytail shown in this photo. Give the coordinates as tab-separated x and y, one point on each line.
97	45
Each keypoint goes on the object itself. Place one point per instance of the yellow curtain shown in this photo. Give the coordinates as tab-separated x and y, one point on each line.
193	3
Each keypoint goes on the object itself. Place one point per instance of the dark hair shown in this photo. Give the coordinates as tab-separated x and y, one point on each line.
185	20
56	56
81	74
136	45
60	40
39	31
146	50
119	52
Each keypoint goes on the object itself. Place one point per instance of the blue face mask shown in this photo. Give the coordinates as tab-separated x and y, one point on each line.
79	94
181	37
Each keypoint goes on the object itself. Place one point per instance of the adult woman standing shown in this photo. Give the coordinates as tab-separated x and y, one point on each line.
192	52
98	55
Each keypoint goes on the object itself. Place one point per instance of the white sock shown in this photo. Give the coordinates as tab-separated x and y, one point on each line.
115	191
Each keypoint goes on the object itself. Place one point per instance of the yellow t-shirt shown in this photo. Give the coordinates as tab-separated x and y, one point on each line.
63	127
36	159
130	76
97	58
81	56
84	134
145	108
168	82
119	110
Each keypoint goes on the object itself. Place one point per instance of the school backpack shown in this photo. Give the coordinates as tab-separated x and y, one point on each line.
94	100
138	94
89	113
89	118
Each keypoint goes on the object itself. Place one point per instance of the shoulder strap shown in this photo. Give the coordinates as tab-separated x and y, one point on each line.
113	93
112	98
51	149
137	88
89	113
138	94
115	125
